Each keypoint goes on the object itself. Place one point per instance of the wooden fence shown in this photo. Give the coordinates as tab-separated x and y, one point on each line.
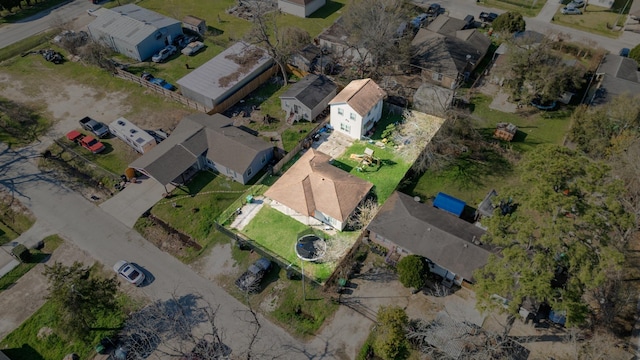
244	91
160	90
305	142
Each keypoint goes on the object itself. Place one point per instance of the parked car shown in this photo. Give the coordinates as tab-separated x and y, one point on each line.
419	20
164	54
97	128
88	142
624	52
163	83
576	4
435	10
146	76
487	17
129	272
469	21
193	48
250	280
570	11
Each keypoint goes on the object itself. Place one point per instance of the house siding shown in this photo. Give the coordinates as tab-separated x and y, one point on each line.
432	76
304	112
245	175
358	127
300	10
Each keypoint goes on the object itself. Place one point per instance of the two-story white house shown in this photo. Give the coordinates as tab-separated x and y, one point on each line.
357	108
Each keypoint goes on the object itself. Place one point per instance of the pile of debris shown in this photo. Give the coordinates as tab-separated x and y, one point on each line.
52	56
245	8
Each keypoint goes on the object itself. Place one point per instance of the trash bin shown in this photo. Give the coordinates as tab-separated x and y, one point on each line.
249	199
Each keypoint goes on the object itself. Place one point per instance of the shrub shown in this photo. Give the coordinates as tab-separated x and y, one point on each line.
22	253
412	271
635	53
390	338
511	22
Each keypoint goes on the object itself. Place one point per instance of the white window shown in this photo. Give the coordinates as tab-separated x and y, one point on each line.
345	127
340	111
249	172
352	116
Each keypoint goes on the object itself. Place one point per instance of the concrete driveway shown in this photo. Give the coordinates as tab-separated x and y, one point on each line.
134	200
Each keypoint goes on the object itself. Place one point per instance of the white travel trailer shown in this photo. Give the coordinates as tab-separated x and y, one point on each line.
137	138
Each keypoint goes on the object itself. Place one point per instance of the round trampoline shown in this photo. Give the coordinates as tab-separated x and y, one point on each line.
310	247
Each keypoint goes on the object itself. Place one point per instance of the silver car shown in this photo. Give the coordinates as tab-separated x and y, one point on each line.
570	11
129	272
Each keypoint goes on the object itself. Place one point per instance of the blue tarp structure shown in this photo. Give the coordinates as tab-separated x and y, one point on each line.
558	317
449	203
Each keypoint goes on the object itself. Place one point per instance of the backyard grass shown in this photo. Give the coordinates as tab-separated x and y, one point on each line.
24	344
528	8
13	223
594	19
385	177
37	256
471	180
194	207
278	233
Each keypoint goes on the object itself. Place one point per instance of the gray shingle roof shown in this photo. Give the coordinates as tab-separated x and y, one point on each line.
130	22
311	90
435	234
619	67
196	134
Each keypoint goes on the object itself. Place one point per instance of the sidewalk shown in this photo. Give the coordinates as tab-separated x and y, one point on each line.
29	239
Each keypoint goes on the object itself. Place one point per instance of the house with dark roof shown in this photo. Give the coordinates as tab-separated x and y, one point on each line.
222	81
446	53
451	245
311	59
616	75
307	98
200	142
134	31
357	108
314	191
336	41
301	8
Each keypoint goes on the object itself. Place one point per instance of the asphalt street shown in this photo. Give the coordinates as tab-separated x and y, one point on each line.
12	33
62	211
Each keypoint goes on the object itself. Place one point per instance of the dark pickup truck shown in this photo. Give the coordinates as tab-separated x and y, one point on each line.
97	128
249	281
488	17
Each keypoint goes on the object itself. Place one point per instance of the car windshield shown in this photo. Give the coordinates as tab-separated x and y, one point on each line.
98	126
92	142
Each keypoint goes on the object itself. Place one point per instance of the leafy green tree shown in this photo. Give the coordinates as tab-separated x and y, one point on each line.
78	296
533	69
412	271
511	22
563	243
607	129
390	341
635	53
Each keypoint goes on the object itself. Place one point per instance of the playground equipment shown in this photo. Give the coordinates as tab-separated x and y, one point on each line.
366	159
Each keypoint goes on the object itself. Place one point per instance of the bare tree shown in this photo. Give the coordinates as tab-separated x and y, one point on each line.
373	27
363	215
97	53
280	43
178	327
414	134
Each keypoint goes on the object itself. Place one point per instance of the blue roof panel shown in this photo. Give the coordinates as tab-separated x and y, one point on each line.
449	203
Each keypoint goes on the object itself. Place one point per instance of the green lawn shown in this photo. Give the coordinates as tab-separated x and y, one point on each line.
198	204
471	180
529	8
23	343
13	223
594	19
385	177
50	244
278	233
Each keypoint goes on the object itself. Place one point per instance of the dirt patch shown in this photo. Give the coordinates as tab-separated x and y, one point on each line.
167	238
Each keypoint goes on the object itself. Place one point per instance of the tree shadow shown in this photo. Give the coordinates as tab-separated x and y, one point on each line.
342	166
25	352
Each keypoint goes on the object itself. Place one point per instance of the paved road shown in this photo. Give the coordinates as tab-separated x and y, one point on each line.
541	23
62	211
12	33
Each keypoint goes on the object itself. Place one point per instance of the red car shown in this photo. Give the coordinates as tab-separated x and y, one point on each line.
88	142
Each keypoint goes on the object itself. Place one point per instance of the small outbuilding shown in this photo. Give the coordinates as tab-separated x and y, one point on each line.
307	98
222	81
505	131
194	24
301	8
